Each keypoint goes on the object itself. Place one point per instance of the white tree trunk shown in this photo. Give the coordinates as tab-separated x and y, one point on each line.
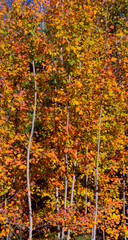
57	190
66	163
57	209
28	158
72	193
96	180
74	176
86	195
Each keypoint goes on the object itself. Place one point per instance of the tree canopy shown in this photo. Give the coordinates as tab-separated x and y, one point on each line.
63	119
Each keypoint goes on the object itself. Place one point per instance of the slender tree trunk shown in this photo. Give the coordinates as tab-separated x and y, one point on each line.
57	209
20	233
66	155
103	235
73	180
74	176
57	191
28	158
66	178
72	192
96	180
86	195
66	163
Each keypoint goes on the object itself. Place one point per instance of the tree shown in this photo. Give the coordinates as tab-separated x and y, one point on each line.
63	120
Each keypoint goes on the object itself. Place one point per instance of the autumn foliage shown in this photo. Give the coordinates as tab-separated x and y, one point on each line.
76	52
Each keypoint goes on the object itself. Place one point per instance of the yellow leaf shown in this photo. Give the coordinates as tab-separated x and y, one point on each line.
76	102
63	168
21	167
113	59
81	112
79	84
7	231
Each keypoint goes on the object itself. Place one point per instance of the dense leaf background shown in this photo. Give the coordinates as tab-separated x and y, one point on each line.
80	52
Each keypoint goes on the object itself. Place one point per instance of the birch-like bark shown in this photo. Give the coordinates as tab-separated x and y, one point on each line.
66	156
72	192
96	180
57	209
28	158
103	235
65	195
57	191
86	195
74	175
73	184
66	177
66	163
